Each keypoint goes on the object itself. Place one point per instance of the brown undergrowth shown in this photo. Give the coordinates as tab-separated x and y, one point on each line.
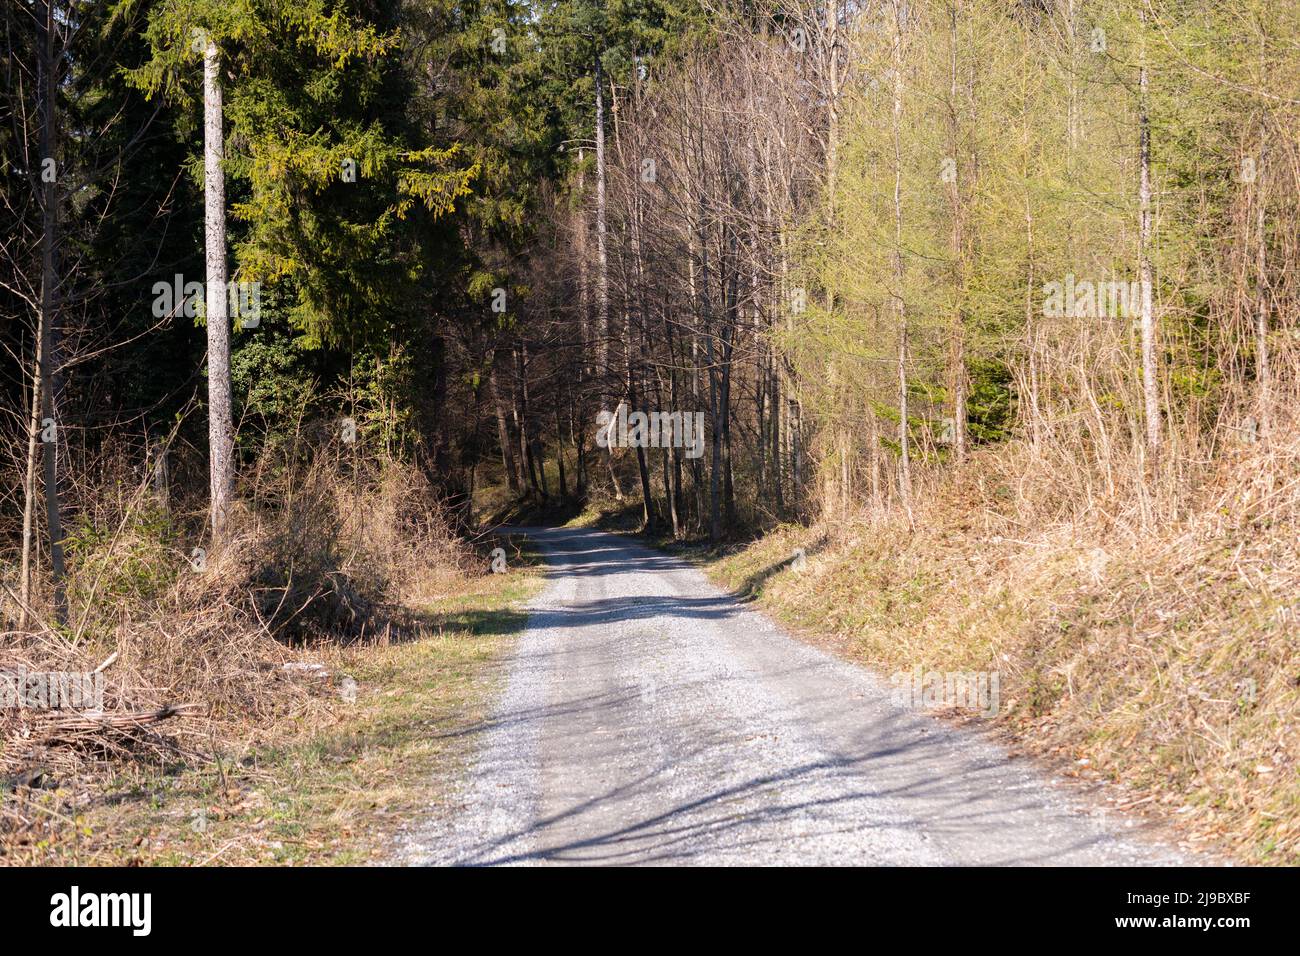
207	653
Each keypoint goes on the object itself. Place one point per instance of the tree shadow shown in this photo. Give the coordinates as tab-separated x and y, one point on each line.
752	586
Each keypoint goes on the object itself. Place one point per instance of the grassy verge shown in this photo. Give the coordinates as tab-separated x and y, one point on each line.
328	789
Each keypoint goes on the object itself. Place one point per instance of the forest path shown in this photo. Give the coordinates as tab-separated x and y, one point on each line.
648	717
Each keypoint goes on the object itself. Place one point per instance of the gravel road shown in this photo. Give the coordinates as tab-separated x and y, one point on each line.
647	717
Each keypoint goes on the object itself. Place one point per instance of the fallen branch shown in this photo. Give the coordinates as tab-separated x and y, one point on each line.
91	721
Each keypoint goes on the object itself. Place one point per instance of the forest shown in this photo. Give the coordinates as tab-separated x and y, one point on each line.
988	309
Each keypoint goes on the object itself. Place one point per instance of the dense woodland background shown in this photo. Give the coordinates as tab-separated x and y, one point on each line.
842	230
831	227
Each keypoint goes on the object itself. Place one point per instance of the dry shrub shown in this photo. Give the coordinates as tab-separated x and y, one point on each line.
320	555
402	524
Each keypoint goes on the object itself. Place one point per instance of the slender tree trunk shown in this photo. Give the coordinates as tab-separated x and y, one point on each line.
503	431
1150	384
633	404
647	494
900	305
579	438
635	390
715	464
467	517
48	355
29	481
220	427
533	434
957	362
643	468
602	252
584	293
559	455
762	422
837	470
528	449
519	413
792	418
584	328
535	449
774	385
674	491
527	452
603	369
666	463
697	512
613	474
724	421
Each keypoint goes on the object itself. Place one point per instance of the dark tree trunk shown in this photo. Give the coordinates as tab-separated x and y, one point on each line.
49	343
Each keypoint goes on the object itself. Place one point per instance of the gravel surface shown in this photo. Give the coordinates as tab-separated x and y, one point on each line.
650	718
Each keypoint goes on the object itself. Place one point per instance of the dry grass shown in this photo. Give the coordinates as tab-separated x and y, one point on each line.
1153	636
200	656
329	788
